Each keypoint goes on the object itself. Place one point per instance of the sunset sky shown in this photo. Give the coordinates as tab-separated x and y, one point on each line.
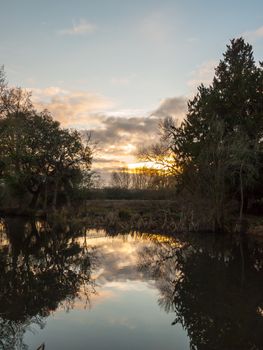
116	67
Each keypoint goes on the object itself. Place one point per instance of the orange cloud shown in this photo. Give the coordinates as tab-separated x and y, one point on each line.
72	108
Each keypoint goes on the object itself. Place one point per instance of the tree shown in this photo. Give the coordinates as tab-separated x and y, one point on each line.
161	153
245	165
235	97
221	117
36	154
121	179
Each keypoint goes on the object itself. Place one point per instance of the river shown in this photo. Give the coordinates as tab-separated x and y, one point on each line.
72	287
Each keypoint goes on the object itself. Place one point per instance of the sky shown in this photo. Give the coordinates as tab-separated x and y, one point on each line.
116	67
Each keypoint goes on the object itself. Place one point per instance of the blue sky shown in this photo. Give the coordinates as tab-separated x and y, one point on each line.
119	58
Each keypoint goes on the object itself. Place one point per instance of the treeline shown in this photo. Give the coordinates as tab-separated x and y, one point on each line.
143	178
40	162
217	150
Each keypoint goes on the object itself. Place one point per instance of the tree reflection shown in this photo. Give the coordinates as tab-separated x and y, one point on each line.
215	287
43	267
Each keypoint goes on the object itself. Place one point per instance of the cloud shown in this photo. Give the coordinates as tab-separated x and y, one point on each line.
81	28
72	108
107	164
155	27
43	94
202	75
120	134
120	137
105	160
254	34
173	107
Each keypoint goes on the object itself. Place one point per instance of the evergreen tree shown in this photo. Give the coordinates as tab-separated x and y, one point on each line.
220	118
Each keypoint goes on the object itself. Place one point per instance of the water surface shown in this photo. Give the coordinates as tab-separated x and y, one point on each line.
75	288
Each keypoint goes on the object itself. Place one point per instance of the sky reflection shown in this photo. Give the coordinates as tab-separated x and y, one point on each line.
136	291
123	313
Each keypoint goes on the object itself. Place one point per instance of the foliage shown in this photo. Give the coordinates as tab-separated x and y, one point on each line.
37	155
218	147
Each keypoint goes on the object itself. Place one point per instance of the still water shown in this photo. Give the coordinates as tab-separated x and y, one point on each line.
76	288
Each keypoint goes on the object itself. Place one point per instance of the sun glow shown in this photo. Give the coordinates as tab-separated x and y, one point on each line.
149	165
164	164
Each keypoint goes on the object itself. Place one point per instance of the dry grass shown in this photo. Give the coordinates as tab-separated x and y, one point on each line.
126	215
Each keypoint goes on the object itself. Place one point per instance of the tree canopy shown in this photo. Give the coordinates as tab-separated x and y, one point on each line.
218	146
37	156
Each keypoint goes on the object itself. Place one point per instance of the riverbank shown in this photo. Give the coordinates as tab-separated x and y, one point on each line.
132	215
149	215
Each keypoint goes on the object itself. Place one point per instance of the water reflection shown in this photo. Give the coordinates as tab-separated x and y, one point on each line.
215	288
42	267
211	289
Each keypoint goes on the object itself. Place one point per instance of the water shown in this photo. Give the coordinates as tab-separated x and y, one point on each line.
75	288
